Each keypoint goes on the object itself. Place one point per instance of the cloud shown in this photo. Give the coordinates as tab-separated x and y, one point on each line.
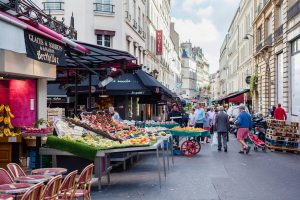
205	23
189	5
203	34
205	12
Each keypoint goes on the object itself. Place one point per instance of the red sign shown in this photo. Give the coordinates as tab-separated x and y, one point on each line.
159	47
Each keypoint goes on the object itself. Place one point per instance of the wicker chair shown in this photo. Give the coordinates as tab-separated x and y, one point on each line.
34	192
5	177
68	186
84	183
51	191
15	170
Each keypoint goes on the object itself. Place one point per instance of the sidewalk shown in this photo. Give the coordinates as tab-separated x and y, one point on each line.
211	175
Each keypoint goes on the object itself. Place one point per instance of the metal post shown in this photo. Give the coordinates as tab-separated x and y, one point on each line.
76	94
90	85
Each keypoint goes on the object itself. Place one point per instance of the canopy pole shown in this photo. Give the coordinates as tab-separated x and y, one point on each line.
76	94
90	88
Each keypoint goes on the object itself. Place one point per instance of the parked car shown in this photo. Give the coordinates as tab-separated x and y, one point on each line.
233	111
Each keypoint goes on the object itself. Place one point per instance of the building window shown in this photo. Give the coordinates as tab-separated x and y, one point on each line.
53	5
259	35
104	40
104	6
295	78
280	78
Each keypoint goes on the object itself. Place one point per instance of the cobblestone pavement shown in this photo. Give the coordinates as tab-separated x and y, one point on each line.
211	175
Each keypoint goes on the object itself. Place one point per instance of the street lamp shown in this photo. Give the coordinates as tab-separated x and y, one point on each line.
246	36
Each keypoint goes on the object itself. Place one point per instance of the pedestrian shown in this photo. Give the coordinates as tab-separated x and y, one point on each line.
199	120
244	125
176	114
279	113
222	128
115	115
191	121
211	114
213	121
206	125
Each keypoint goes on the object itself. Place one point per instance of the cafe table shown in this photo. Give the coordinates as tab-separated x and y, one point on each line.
33	179
6	197
49	171
15	188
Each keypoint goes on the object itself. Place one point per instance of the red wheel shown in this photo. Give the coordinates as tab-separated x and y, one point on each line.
195	147
185	148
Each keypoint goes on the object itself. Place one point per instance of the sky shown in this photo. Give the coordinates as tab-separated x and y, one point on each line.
205	23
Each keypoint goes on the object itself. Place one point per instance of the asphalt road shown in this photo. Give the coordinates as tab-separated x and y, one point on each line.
211	175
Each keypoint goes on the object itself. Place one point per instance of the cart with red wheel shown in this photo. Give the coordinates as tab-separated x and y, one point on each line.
189	145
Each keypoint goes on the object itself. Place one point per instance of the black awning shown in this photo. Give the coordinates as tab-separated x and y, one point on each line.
127	84
150	82
98	55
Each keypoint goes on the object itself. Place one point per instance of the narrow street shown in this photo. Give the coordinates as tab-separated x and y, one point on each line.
211	175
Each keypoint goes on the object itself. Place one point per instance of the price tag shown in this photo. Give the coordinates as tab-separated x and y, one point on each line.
12	139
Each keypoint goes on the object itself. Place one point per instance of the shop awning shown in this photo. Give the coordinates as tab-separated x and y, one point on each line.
127	84
150	82
98	56
235	97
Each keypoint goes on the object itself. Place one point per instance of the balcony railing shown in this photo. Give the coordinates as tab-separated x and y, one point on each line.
128	16
259	47
53	6
294	10
278	33
268	41
135	25
104	8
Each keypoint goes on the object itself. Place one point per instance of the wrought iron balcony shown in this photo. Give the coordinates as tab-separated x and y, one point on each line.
259	47
268	41
278	33
140	30
24	8
135	25
48	6
104	8
294	10
128	16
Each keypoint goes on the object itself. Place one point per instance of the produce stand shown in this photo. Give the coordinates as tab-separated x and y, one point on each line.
168	126
103	155
190	146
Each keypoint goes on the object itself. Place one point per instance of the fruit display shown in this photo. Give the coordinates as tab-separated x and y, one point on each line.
191	129
152	122
6	128
104	121
152	129
101	143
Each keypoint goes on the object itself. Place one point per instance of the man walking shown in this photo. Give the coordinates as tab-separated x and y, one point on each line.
222	128
279	113
244	124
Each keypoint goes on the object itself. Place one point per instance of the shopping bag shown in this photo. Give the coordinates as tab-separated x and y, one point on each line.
214	139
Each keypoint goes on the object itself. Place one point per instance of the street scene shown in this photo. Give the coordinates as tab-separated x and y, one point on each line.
149	99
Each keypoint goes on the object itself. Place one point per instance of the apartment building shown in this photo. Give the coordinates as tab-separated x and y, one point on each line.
195	68
215	85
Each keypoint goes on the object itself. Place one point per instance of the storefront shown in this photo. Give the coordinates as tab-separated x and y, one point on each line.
23	88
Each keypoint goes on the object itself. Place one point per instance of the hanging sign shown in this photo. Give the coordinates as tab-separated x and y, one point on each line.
43	49
159	46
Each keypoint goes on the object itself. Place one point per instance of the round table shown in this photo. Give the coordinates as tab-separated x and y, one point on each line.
15	188
49	171
33	179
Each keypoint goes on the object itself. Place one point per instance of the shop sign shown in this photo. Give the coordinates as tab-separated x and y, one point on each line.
248	79
44	50
136	93
159	44
57	99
